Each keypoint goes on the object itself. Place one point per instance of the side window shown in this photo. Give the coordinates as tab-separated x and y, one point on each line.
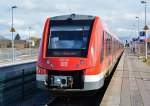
107	43
114	45
110	44
102	49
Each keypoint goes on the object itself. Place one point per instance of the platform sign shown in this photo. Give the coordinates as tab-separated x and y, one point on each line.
142	36
142	33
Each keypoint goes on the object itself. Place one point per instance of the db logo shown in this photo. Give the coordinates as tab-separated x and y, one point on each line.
63	63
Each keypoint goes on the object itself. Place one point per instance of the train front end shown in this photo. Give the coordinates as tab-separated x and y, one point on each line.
65	60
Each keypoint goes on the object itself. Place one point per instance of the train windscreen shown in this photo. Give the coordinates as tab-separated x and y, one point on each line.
69	38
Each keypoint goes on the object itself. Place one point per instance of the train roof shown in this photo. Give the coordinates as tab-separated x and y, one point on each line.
83	17
109	31
73	17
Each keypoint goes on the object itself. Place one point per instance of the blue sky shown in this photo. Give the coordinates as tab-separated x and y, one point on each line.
119	15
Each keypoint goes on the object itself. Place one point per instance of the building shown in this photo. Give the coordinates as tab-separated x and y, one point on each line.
20	44
5	43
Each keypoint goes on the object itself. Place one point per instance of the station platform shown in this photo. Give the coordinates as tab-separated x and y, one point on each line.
130	84
18	61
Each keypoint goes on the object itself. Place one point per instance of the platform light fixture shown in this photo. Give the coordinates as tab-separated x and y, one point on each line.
12	31
145	29
138	20
29	41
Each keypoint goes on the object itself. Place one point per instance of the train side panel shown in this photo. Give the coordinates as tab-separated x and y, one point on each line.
41	73
94	74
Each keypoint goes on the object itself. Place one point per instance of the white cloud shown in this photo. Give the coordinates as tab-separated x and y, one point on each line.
4	21
28	4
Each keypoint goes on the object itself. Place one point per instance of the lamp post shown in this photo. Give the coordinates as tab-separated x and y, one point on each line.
133	39
13	30
30	42
138	19
145	29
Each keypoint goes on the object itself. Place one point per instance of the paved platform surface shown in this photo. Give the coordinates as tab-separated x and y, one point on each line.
130	85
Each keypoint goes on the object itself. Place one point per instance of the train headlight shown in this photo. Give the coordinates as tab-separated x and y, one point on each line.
51	65
47	62
82	62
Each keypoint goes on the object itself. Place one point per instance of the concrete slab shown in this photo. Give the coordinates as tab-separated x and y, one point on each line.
112	95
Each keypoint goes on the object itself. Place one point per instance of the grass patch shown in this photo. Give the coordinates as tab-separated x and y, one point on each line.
143	59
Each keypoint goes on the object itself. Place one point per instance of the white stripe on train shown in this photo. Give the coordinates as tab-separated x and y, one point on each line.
94	78
87	78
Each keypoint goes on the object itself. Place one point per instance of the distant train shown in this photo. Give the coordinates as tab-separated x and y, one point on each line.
77	53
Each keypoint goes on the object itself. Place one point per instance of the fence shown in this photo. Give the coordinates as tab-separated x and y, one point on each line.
17	82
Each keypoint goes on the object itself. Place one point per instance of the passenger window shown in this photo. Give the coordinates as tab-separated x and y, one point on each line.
102	49
107	44
110	44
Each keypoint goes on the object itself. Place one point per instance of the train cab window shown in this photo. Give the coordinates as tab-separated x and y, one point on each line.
69	38
102	49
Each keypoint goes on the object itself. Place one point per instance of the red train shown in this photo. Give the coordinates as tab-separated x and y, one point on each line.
77	53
